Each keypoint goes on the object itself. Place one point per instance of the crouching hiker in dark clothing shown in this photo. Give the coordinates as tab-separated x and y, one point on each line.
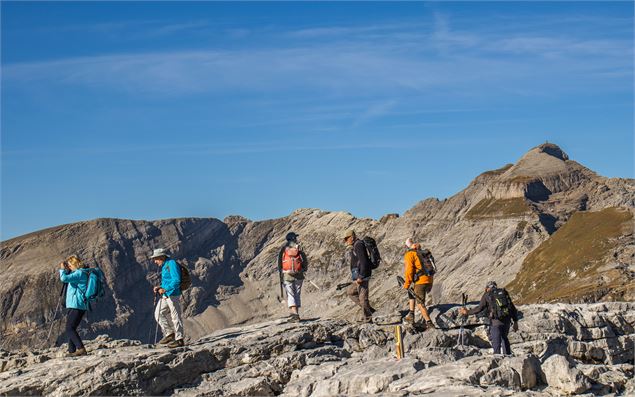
361	270
76	304
501	312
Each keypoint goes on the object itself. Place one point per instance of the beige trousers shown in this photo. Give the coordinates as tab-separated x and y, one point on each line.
168	315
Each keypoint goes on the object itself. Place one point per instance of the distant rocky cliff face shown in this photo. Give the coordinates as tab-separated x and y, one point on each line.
537	225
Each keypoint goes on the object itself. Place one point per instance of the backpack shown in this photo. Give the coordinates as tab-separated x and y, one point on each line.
94	285
373	252
291	260
428	267
500	304
186	279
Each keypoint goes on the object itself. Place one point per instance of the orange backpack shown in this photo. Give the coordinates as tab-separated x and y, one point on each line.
291	260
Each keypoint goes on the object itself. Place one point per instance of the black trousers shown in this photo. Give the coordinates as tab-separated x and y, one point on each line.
498	331
73	318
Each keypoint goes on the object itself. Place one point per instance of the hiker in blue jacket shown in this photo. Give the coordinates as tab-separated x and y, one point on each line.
168	311
71	273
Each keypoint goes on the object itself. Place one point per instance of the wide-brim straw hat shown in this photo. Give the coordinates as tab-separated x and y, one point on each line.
159	252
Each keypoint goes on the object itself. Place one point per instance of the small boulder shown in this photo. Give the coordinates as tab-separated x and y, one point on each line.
388	319
502	376
528	368
614	380
251	387
370	335
562	376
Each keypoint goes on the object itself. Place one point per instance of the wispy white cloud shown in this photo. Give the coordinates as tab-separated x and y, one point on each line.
237	33
137	29
204	149
234	148
362	31
374	111
363	62
161	30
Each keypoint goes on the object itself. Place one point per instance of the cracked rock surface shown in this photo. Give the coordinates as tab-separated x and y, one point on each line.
325	357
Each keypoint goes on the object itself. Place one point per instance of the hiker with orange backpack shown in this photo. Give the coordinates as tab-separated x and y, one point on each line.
168	311
419	270
292	263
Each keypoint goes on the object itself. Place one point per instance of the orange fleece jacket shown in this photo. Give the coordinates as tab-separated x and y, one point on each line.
412	264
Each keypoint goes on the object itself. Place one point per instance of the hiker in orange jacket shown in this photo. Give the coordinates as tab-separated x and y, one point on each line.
414	273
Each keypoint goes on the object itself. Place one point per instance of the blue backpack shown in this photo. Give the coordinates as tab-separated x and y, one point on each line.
94	286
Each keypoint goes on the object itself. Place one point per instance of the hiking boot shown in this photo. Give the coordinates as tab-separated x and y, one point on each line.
166	339
418	327
294	317
429	325
410	318
365	320
176	343
78	352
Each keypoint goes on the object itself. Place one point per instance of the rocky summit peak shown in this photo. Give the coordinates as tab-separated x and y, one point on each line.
547	152
540	162
553	150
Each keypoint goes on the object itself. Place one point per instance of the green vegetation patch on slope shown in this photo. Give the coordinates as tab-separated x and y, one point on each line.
564	267
498	208
498	171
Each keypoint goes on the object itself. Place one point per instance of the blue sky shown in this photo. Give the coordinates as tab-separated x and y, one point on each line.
160	110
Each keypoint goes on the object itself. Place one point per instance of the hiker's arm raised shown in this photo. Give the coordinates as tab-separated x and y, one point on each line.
73	277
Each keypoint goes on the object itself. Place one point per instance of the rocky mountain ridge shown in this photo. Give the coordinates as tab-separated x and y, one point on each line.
507	225
558	350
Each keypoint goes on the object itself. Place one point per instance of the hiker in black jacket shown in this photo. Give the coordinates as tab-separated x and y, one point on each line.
361	271
501	312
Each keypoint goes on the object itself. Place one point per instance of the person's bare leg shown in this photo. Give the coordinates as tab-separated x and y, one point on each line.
410	317
293	309
424	312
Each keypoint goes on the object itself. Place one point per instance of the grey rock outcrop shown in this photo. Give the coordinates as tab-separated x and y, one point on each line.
316	358
564	377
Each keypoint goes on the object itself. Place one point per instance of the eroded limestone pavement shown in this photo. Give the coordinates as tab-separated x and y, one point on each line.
559	349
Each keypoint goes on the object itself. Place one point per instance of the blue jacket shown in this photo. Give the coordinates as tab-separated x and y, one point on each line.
77	281
171	278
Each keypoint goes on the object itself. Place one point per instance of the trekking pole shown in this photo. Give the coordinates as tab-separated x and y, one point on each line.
281	283
315	285
461	331
154	303
59	302
156	329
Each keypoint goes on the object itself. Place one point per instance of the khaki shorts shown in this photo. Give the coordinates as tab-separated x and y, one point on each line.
421	290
